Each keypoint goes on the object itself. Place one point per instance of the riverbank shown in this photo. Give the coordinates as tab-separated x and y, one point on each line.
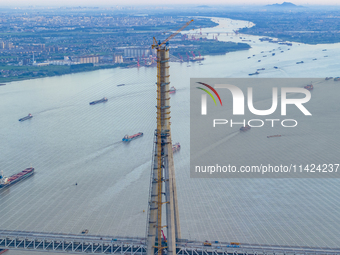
306	27
20	73
203	46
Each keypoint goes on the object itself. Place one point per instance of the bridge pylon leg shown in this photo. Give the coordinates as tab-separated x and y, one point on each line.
163	191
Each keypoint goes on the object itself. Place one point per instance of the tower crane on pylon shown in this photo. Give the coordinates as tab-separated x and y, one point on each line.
157	45
163	182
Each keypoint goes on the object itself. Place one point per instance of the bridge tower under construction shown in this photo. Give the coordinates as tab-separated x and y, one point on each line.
163	194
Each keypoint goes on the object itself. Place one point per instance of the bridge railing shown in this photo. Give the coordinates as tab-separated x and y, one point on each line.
71	243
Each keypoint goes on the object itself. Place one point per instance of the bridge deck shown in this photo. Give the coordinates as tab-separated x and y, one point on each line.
72	243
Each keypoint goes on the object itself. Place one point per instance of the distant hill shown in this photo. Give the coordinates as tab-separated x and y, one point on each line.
284	5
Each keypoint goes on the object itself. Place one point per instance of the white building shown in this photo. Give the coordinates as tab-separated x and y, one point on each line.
118	59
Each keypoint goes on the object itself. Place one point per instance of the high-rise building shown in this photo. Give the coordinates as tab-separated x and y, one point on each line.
118	59
136	51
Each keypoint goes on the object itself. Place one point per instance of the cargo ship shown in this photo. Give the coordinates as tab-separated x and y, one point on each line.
128	138
176	147
270	136
337	79
103	100
301	62
197	59
309	87
172	90
120	85
2	84
254	73
7	181
29	116
328	78
245	128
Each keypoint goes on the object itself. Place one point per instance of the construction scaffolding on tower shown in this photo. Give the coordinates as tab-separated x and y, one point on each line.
163	190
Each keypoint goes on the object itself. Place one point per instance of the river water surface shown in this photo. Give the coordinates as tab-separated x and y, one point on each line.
68	142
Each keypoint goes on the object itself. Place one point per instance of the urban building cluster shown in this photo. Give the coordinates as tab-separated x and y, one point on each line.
55	41
95	36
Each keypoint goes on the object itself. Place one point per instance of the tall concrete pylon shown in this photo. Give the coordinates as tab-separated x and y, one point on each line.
163	184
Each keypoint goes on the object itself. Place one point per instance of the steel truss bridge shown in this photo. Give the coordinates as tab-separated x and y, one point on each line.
82	244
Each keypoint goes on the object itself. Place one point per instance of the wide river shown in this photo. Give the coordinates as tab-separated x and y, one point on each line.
68	142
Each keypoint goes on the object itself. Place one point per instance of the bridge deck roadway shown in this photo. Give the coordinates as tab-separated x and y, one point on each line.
73	243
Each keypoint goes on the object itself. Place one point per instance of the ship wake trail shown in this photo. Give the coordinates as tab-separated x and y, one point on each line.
110	145
103	151
54	109
95	155
214	145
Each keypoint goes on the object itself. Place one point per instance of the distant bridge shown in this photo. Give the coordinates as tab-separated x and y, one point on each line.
77	244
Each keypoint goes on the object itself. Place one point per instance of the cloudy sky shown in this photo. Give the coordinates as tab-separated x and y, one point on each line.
156	2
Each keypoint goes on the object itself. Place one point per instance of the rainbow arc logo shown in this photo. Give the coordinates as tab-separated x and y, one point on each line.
209	93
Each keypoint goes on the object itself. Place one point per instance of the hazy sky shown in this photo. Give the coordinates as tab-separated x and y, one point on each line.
156	2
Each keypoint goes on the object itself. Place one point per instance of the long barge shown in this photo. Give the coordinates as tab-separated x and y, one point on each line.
270	136
309	86
245	128
103	100
7	181
29	116
128	138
